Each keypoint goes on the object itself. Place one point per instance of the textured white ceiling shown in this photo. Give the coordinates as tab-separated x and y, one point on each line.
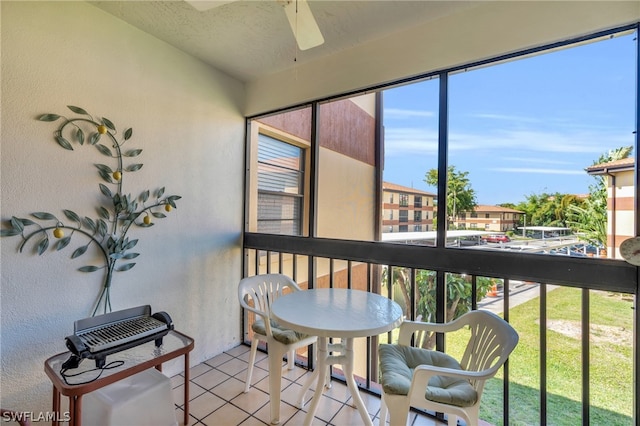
252	39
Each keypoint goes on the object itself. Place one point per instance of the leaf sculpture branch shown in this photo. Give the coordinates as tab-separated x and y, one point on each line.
108	232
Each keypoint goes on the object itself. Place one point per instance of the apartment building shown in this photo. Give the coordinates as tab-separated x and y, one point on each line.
489	218
620	201
407	209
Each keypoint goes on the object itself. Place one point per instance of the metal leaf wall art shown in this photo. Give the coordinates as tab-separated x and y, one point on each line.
118	212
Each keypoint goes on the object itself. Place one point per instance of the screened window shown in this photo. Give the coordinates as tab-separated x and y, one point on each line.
280	186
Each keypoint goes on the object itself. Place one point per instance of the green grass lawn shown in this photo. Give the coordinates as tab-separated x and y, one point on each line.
611	363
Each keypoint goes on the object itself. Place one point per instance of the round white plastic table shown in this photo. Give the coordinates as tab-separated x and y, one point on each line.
338	313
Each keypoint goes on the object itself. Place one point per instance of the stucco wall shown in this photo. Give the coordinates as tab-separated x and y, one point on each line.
347	188
187	119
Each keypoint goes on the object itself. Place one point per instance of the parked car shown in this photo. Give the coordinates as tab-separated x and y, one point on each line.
496	238
469	241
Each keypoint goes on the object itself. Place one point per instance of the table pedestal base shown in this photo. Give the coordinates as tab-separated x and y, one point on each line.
326	358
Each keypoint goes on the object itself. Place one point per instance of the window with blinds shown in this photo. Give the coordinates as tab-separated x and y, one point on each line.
280	186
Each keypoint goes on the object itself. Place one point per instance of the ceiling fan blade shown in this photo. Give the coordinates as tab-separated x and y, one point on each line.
303	24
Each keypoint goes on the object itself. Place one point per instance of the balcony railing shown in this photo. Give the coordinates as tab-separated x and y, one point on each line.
560	324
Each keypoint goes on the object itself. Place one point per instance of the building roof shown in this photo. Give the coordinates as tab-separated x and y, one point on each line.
393	187
495	209
624	165
430	235
545	228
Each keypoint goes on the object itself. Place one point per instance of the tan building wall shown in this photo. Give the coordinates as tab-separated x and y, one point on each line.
406	209
346	176
620	211
346	182
489	218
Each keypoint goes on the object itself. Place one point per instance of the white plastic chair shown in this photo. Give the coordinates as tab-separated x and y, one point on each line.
430	380
256	295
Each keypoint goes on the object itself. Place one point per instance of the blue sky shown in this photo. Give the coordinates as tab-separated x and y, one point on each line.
519	128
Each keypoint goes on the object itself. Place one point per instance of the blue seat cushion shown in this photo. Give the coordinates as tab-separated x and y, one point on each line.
282	335
397	364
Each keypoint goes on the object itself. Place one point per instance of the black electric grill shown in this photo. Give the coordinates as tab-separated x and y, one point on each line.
102	335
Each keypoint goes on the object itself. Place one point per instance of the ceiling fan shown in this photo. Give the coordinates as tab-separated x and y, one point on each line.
303	24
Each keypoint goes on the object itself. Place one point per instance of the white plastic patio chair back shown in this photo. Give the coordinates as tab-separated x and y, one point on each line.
438	382
256	294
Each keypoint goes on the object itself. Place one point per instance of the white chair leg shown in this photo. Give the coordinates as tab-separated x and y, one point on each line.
383	411
275	381
471	416
453	420
327	379
252	360
291	358
399	412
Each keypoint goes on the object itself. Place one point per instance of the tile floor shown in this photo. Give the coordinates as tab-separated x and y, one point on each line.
217	398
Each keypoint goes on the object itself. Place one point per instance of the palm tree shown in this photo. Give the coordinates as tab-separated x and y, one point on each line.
461	197
590	219
458	289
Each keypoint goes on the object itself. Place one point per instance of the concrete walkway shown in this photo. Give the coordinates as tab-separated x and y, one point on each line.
519	292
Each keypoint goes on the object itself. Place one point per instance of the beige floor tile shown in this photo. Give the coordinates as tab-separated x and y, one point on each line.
257	375
263	384
298	419
205	404
425	421
217	399
229	389
348	416
211	378
286	412
180	417
239	350
252	421
260	356
178	393
199	369
227	415
177	380
219	359
233	366
327	408
251	401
